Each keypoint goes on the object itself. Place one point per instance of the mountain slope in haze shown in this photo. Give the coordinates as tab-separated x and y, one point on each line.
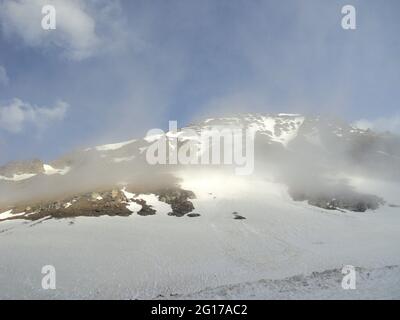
312	156
159	256
322	195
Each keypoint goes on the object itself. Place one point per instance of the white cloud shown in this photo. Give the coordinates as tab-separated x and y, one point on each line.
391	124
77	24
17	114
3	76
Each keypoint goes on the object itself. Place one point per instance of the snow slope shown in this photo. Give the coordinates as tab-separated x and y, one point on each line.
379	283
149	256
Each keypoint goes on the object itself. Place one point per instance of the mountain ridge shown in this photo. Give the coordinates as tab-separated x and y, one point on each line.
300	151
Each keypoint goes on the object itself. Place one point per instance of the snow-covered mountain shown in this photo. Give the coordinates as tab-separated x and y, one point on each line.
323	194
311	156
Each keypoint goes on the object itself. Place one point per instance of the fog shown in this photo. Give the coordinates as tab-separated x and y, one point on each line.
184	60
316	164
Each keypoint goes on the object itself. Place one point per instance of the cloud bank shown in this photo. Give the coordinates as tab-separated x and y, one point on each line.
383	124
77	24
3	76
16	115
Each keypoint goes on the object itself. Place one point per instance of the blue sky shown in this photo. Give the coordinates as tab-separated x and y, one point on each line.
114	69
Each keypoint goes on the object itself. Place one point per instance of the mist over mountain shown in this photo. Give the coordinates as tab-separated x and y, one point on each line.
314	157
209	149
318	191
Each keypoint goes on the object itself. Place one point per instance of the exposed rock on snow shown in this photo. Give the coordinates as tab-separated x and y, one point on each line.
238	216
193	215
179	201
349	200
114	202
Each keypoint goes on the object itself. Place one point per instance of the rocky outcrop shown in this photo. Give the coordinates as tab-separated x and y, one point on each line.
193	215
351	201
146	209
238	216
179	201
111	202
22	167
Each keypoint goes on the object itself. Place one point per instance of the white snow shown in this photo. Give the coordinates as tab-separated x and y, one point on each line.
8	214
114	146
172	135
134	207
67	205
123	159
288	114
152	200
143	257
31	213
19	177
379	283
282	130
286	136
49	170
131	205
152	138
127	194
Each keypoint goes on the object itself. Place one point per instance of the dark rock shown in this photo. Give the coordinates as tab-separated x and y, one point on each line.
146	209
80	205
349	200
178	199
192	215
176	214
112	202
